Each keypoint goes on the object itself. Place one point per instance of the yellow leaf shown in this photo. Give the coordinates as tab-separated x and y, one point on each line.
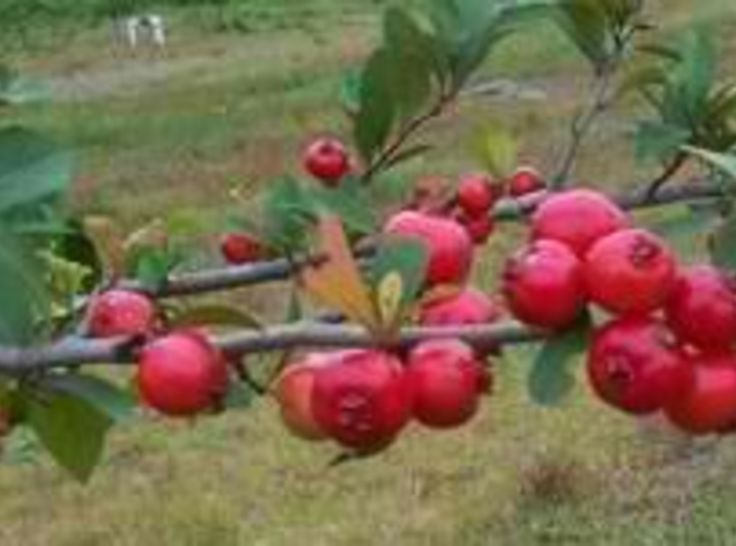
152	235
108	242
390	294
334	278
497	150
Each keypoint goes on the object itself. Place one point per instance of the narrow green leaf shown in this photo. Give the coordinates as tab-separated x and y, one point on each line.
287	213
216	315
685	226
586	25
724	162
411	67
375	118
661	141
551	377
71	429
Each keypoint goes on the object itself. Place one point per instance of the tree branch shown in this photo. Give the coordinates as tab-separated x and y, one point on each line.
212	280
669	171
695	190
387	154
583	123
77	351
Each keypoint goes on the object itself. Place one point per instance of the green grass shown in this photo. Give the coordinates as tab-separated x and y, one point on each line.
234	110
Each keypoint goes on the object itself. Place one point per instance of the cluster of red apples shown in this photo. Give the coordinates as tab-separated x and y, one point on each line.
666	345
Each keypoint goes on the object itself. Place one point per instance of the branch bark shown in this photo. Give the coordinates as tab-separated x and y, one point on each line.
78	351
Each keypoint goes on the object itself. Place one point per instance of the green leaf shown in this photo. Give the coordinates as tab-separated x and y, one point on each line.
656	140
109	399
153	266
352	202
695	74
71	429
287	213
32	169
724	162
216	315
551	378
350	90
723	244
683	225
239	396
25	298
411	66
377	112
586	25
467	29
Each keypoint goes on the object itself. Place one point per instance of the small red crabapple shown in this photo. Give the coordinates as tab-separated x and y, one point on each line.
362	399
577	218
450	250
709	405
181	374
121	313
702	308
630	271
240	248
636	365
544	285
476	194
468	306
447	381
327	160
524	181
479	229
293	391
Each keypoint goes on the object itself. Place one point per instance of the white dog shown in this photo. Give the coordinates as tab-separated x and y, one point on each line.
148	27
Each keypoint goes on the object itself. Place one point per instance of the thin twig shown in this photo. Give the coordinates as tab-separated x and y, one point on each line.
583	123
669	171
385	157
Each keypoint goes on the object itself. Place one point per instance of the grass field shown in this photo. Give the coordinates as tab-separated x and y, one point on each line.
170	135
